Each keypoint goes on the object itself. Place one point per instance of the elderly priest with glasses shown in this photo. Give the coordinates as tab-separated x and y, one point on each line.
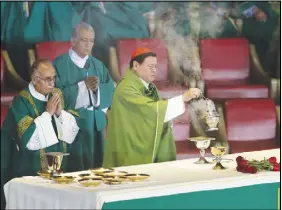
36	123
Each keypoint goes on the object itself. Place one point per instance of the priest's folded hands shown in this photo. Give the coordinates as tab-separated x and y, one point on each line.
92	83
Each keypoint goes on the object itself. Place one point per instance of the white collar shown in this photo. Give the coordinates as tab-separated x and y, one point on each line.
35	94
79	61
146	84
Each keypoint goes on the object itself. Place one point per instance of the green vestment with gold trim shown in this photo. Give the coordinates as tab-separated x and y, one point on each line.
17	129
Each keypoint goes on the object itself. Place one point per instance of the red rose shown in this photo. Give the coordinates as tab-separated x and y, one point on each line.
249	169
254	170
244	169
238	168
272	160
276	167
243	163
239	158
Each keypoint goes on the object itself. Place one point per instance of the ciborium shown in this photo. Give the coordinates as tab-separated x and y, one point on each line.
54	162
218	152
202	143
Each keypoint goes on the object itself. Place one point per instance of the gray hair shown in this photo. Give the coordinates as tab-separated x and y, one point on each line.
82	25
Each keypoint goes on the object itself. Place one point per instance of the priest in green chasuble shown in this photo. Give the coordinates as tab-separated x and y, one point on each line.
36	123
88	88
139	128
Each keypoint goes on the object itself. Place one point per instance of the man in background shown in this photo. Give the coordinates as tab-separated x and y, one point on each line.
88	88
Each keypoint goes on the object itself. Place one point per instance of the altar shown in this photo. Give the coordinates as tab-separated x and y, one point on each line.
180	184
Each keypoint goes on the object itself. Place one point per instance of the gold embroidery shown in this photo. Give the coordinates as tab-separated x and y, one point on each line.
73	112
26	95
23	125
43	160
65	147
57	90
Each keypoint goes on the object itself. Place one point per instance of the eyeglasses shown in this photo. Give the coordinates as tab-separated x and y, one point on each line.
47	79
87	40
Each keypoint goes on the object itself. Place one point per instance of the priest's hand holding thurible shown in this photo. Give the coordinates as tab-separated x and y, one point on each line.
52	104
92	83
191	93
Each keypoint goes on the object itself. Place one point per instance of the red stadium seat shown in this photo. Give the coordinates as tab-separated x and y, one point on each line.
226	69
51	50
251	124
4	111
226	92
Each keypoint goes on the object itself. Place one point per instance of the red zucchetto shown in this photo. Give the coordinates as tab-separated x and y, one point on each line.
140	51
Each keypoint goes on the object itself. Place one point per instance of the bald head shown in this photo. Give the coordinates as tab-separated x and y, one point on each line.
43	76
41	65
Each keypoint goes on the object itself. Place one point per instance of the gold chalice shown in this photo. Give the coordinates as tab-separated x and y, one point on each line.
218	152
54	162
202	143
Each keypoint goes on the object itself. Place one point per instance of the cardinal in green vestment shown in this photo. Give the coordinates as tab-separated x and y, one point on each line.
36	123
139	128
88	88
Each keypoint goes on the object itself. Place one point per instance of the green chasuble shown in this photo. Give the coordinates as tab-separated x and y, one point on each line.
87	149
17	129
137	133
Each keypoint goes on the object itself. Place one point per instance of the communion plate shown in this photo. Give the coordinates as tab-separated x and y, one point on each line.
114	178
63	179
112	182
85	175
100	171
114	173
137	177
90	182
44	174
